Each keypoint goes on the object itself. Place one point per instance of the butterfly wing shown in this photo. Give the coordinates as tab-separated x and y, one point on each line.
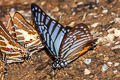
50	30
76	42
9	26
9	47
25	33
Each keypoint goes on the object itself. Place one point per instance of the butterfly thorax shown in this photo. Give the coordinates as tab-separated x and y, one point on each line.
59	63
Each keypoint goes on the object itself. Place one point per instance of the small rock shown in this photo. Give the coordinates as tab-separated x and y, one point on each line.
106	58
101	15
114	14
65	7
56	9
87	61
95	24
117	42
117	33
80	3
110	37
12	12
43	3
115	47
115	71
116	64
104	68
92	14
100	39
105	11
86	72
109	63
117	20
72	24
108	44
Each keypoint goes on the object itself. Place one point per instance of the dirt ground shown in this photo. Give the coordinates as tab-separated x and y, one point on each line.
101	63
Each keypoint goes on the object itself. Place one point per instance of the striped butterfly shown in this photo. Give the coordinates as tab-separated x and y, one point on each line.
10	49
24	33
65	44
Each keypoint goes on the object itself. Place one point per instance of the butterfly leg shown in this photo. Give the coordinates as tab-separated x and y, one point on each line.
33	49
2	66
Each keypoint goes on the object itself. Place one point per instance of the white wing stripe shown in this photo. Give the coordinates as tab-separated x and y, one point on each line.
22	23
9	52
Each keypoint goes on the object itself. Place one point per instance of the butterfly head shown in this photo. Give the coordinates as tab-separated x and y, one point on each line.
59	63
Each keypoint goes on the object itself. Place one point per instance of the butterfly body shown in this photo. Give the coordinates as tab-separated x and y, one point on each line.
65	44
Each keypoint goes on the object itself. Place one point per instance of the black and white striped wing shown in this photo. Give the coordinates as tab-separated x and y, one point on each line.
50	30
76	42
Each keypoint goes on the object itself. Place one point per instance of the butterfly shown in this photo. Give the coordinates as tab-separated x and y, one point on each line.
24	33
65	44
10	49
18	41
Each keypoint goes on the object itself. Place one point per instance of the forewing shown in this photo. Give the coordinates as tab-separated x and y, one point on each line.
76	42
50	30
9	47
9	26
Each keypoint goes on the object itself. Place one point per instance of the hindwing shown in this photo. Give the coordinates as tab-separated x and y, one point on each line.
76	42
24	33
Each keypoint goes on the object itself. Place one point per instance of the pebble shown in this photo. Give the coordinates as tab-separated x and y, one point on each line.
104	68
105	11
115	71
86	72
117	33
110	37
117	20
43	3
116	64
95	24
117	42
114	14
109	63
115	47
12	12
92	14
72	24
87	61
111	30
112	33
106	58
108	44
56	9
80	3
